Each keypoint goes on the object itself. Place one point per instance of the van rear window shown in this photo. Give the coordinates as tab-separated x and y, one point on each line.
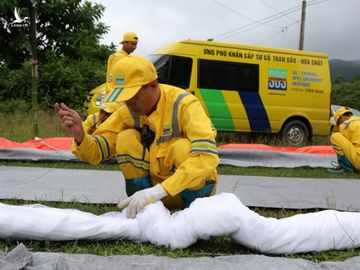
223	75
174	70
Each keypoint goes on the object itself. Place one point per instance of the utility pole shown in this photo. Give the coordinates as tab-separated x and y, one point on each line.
302	26
34	77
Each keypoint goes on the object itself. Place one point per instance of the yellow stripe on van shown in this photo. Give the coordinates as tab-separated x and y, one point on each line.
237	110
202	101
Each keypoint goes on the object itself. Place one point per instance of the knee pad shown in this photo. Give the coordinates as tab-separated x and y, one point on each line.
345	163
136	184
190	195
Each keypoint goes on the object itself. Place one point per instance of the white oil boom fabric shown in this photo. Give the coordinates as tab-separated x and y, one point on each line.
223	214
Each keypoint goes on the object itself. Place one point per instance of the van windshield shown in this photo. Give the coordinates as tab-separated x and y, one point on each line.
172	69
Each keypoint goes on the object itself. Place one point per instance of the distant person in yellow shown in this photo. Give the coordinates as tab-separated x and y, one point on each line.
346	141
162	139
93	121
129	44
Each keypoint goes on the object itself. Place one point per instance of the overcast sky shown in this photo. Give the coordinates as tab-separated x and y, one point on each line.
331	26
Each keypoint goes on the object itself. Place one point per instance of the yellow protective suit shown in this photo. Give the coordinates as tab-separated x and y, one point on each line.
183	156
91	123
346	143
112	60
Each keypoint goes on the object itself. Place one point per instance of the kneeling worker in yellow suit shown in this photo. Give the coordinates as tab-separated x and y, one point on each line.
346	141
93	121
163	140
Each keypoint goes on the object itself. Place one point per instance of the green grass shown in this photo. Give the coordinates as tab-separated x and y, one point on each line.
18	127
268	139
305	172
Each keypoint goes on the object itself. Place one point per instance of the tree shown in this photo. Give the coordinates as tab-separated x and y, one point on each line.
71	60
66	27
356	78
347	94
340	79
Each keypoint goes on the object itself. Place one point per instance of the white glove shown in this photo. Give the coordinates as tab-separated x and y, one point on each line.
142	198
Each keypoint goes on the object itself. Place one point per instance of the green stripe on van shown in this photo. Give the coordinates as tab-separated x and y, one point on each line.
217	108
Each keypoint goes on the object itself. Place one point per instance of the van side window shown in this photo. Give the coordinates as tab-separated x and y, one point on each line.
174	70
228	76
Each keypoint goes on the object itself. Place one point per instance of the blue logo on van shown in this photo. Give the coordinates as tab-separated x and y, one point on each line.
277	79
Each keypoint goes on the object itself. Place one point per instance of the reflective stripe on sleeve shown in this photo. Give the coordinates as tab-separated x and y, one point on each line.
204	146
103	145
138	163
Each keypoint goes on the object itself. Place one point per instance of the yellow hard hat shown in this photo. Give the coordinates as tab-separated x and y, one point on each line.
130	74
339	112
130	36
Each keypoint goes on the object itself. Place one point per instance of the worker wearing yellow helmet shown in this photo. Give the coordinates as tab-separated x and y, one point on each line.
346	141
93	121
129	44
162	139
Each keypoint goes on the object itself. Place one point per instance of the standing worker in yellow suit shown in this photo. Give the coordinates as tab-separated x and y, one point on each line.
163	140
93	121
346	141
129	44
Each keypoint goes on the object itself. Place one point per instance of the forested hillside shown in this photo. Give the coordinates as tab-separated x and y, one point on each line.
346	93
345	82
345	69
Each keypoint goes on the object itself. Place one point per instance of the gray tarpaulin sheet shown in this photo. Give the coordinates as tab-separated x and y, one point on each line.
236	157
95	186
27	154
21	258
273	159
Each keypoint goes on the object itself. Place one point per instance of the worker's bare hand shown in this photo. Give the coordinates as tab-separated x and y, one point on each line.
70	121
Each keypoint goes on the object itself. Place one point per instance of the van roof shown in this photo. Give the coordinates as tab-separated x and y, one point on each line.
246	47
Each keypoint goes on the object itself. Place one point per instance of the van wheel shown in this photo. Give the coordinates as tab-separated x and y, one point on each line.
295	133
